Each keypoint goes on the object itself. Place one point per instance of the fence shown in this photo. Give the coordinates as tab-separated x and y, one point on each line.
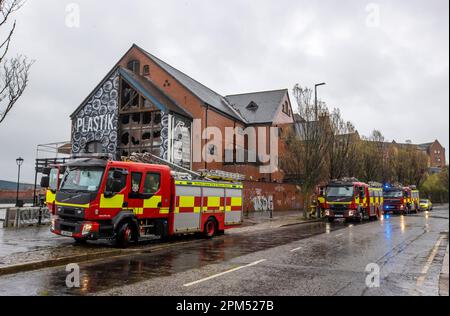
26	216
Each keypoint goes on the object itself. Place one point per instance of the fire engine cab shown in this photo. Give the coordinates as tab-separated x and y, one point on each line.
352	200
127	201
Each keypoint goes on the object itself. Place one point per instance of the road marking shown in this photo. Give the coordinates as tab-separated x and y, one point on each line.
339	235
296	249
225	272
430	260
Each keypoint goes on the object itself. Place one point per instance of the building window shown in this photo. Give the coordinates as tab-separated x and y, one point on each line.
286	108
134	66
146	70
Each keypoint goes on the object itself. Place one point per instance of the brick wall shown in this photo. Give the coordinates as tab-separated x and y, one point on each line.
259	196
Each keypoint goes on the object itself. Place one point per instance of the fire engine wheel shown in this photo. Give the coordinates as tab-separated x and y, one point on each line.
125	235
210	228
330	219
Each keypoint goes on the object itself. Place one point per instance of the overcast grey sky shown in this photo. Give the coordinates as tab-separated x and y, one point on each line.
390	73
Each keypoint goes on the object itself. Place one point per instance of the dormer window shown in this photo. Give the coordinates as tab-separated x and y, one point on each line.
134	66
252	106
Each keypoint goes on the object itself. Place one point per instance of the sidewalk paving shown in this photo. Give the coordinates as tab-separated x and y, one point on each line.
443	280
35	246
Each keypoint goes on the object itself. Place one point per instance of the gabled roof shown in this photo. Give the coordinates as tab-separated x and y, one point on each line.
268	103
202	92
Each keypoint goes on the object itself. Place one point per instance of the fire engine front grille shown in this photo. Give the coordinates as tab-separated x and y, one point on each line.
70	212
339	207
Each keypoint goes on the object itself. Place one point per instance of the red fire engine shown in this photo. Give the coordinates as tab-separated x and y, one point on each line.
128	201
353	200
401	199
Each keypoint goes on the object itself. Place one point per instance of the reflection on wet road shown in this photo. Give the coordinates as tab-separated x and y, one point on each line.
100	275
304	259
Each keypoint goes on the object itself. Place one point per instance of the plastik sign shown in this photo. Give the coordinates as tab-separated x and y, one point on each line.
95	123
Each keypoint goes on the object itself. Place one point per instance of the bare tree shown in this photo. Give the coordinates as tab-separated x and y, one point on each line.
372	156
13	72
305	158
342	147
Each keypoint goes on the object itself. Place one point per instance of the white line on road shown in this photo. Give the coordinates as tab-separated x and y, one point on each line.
225	272
427	265
296	249
339	235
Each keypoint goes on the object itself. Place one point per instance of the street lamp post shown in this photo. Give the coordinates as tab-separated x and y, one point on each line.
19	162
316	108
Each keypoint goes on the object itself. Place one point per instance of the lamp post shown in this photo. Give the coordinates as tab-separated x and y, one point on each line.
19	162
316	108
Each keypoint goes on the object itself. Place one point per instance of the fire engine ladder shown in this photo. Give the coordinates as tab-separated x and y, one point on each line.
179	171
184	173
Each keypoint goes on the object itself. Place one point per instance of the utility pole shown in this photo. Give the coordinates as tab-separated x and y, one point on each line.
316	107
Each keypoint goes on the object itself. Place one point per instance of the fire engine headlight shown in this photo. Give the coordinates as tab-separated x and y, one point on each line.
86	229
327	213
402	207
351	213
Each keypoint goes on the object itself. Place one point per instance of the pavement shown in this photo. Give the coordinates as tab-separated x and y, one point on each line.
443	281
314	258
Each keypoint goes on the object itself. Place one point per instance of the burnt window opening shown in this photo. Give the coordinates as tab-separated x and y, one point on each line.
125	139
134	66
157	134
125	119
135	141
146	136
146	118
146	70
157	118
129	98
136	118
166	83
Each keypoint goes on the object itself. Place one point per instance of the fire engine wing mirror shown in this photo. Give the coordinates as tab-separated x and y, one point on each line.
45	182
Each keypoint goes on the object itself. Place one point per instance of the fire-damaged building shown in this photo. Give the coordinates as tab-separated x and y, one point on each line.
145	105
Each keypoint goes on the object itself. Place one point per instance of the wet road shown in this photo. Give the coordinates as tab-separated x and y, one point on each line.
308	259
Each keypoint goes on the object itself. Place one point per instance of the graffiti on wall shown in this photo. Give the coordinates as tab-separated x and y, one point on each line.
164	148
94	128
176	140
263	203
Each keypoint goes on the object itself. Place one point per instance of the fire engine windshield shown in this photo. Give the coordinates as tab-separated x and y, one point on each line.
340	191
82	179
393	194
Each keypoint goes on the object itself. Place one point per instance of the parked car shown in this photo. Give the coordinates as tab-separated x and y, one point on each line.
426	205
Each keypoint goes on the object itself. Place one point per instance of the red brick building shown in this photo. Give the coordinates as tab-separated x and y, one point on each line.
436	155
145	105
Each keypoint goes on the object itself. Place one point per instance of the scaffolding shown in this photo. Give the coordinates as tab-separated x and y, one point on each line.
48	155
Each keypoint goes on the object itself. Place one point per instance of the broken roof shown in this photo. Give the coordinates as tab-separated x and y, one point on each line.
204	93
150	91
267	103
